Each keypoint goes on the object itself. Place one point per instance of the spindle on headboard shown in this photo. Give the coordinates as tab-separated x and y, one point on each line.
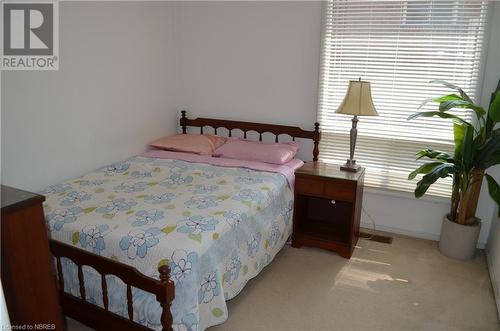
183	121
316	138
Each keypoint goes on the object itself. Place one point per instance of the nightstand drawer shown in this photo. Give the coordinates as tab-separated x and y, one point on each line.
309	186
342	191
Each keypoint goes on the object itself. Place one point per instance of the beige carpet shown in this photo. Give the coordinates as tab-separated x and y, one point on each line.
407	285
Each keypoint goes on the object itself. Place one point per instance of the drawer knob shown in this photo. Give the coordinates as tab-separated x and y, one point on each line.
333	202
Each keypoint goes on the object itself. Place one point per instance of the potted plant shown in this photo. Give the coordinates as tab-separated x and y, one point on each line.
477	147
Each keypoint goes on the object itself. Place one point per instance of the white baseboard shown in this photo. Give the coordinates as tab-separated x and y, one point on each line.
493	283
409	233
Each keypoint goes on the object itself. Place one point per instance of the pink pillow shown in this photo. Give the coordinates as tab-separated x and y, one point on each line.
275	153
190	143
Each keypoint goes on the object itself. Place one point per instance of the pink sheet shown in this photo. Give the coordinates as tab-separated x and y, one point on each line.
287	169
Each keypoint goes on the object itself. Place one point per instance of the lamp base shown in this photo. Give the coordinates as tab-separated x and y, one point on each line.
350	166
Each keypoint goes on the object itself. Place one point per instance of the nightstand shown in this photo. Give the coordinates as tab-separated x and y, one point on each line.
327	207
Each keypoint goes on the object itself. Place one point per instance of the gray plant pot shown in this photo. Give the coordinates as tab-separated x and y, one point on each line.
459	241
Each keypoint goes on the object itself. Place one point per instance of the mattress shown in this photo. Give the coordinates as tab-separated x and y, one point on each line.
216	226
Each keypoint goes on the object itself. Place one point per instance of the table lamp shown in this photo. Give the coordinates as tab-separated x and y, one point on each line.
357	102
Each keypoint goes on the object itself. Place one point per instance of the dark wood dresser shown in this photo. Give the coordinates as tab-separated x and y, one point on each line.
327	207
27	278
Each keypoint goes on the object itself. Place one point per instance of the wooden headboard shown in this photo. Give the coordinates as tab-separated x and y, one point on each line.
260	128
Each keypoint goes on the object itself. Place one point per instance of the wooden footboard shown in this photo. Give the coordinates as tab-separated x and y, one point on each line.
101	318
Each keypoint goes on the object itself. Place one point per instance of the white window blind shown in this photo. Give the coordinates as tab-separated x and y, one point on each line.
399	46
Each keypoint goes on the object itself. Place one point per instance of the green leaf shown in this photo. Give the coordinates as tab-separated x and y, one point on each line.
170	207
75	237
108	216
441	171
426	101
494	110
89	210
215	236
435	154
186	213
458	134
163	262
468	147
447	105
152	183
157	169
439	99
130	212
196	237
217	312
142	196
423	169
489	154
99	190
494	190
463	95
449	97
438	114
168	229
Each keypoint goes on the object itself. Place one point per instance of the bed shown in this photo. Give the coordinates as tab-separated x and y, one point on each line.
161	240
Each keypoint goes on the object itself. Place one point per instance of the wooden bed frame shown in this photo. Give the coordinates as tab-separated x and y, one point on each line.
99	318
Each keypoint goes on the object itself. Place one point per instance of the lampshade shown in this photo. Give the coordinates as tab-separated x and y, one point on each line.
358	100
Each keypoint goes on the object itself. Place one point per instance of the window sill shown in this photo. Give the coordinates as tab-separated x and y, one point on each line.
405	195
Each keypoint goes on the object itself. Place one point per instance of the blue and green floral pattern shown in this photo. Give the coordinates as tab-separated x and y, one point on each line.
216	228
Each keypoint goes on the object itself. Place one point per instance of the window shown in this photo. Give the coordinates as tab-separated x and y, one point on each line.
399	46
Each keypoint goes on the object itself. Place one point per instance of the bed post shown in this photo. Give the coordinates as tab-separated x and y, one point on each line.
183	121
166	315
316	138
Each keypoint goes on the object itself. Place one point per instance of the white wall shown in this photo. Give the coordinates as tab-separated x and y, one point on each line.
111	96
255	61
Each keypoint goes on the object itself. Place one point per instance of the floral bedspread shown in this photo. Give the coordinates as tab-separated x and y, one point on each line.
215	227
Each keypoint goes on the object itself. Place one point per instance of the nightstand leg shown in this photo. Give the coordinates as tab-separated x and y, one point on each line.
295	244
